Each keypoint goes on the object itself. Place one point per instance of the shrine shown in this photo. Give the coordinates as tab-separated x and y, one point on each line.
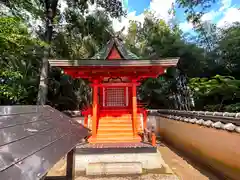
115	73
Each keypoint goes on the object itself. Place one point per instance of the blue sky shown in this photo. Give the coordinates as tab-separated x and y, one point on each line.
224	11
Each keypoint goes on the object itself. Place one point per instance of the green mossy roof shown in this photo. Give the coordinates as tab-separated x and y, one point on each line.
104	52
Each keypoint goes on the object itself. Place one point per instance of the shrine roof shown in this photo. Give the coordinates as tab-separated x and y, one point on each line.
125	53
168	62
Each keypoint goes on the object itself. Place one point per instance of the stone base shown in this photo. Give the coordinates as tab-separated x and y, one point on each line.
147	161
94	169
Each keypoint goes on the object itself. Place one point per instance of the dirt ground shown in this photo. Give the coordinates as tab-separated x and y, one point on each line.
183	168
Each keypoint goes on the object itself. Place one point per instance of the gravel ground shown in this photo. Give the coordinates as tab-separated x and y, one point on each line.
142	177
183	169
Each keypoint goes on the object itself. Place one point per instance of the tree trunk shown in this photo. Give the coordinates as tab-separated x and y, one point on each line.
51	6
43	85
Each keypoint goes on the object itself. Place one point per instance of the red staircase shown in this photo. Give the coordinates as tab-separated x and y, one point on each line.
116	129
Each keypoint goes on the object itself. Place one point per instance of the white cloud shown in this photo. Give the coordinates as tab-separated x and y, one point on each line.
230	15
186	26
210	15
118	25
159	7
225	4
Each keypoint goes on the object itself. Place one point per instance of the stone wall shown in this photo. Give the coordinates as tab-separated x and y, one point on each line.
215	148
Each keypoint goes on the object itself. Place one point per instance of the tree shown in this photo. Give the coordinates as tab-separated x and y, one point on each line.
155	39
228	48
113	6
217	93
50	7
19	62
82	37
194	11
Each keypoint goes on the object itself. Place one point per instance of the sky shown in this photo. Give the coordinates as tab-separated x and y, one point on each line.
222	12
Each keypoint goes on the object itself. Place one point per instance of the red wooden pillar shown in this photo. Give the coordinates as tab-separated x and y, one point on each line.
86	120
134	106
95	108
85	112
144	118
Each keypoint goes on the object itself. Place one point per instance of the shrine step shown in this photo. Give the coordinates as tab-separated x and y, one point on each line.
115	139
115	124
114	130
113	134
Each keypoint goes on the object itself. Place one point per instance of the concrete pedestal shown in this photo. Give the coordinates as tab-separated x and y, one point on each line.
99	164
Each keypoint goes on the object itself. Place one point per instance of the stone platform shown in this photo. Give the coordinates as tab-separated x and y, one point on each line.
120	163
115	148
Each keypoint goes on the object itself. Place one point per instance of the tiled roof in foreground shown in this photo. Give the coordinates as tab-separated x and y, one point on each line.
33	139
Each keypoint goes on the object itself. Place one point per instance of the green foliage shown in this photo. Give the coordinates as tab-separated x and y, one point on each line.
156	39
82	37
10	88
213	51
232	107
217	93
67	93
36	9
19	62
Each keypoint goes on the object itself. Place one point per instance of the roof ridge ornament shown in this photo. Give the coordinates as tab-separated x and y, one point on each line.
120	32
117	34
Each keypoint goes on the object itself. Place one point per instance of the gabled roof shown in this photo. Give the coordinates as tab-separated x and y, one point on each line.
104	52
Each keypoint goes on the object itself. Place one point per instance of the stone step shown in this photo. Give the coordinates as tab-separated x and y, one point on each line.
113	168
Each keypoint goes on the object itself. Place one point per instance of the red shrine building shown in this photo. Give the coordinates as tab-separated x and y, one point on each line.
115	73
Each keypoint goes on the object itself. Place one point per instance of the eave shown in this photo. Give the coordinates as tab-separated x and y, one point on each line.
167	62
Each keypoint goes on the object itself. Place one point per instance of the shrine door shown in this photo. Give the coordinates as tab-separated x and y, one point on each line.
115	97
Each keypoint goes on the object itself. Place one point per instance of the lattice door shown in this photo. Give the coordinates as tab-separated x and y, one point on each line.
115	97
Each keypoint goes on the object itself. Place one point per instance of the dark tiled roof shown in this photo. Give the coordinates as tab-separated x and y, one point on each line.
33	139
126	54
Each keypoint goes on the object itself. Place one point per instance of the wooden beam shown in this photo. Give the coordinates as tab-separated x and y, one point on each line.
115	85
